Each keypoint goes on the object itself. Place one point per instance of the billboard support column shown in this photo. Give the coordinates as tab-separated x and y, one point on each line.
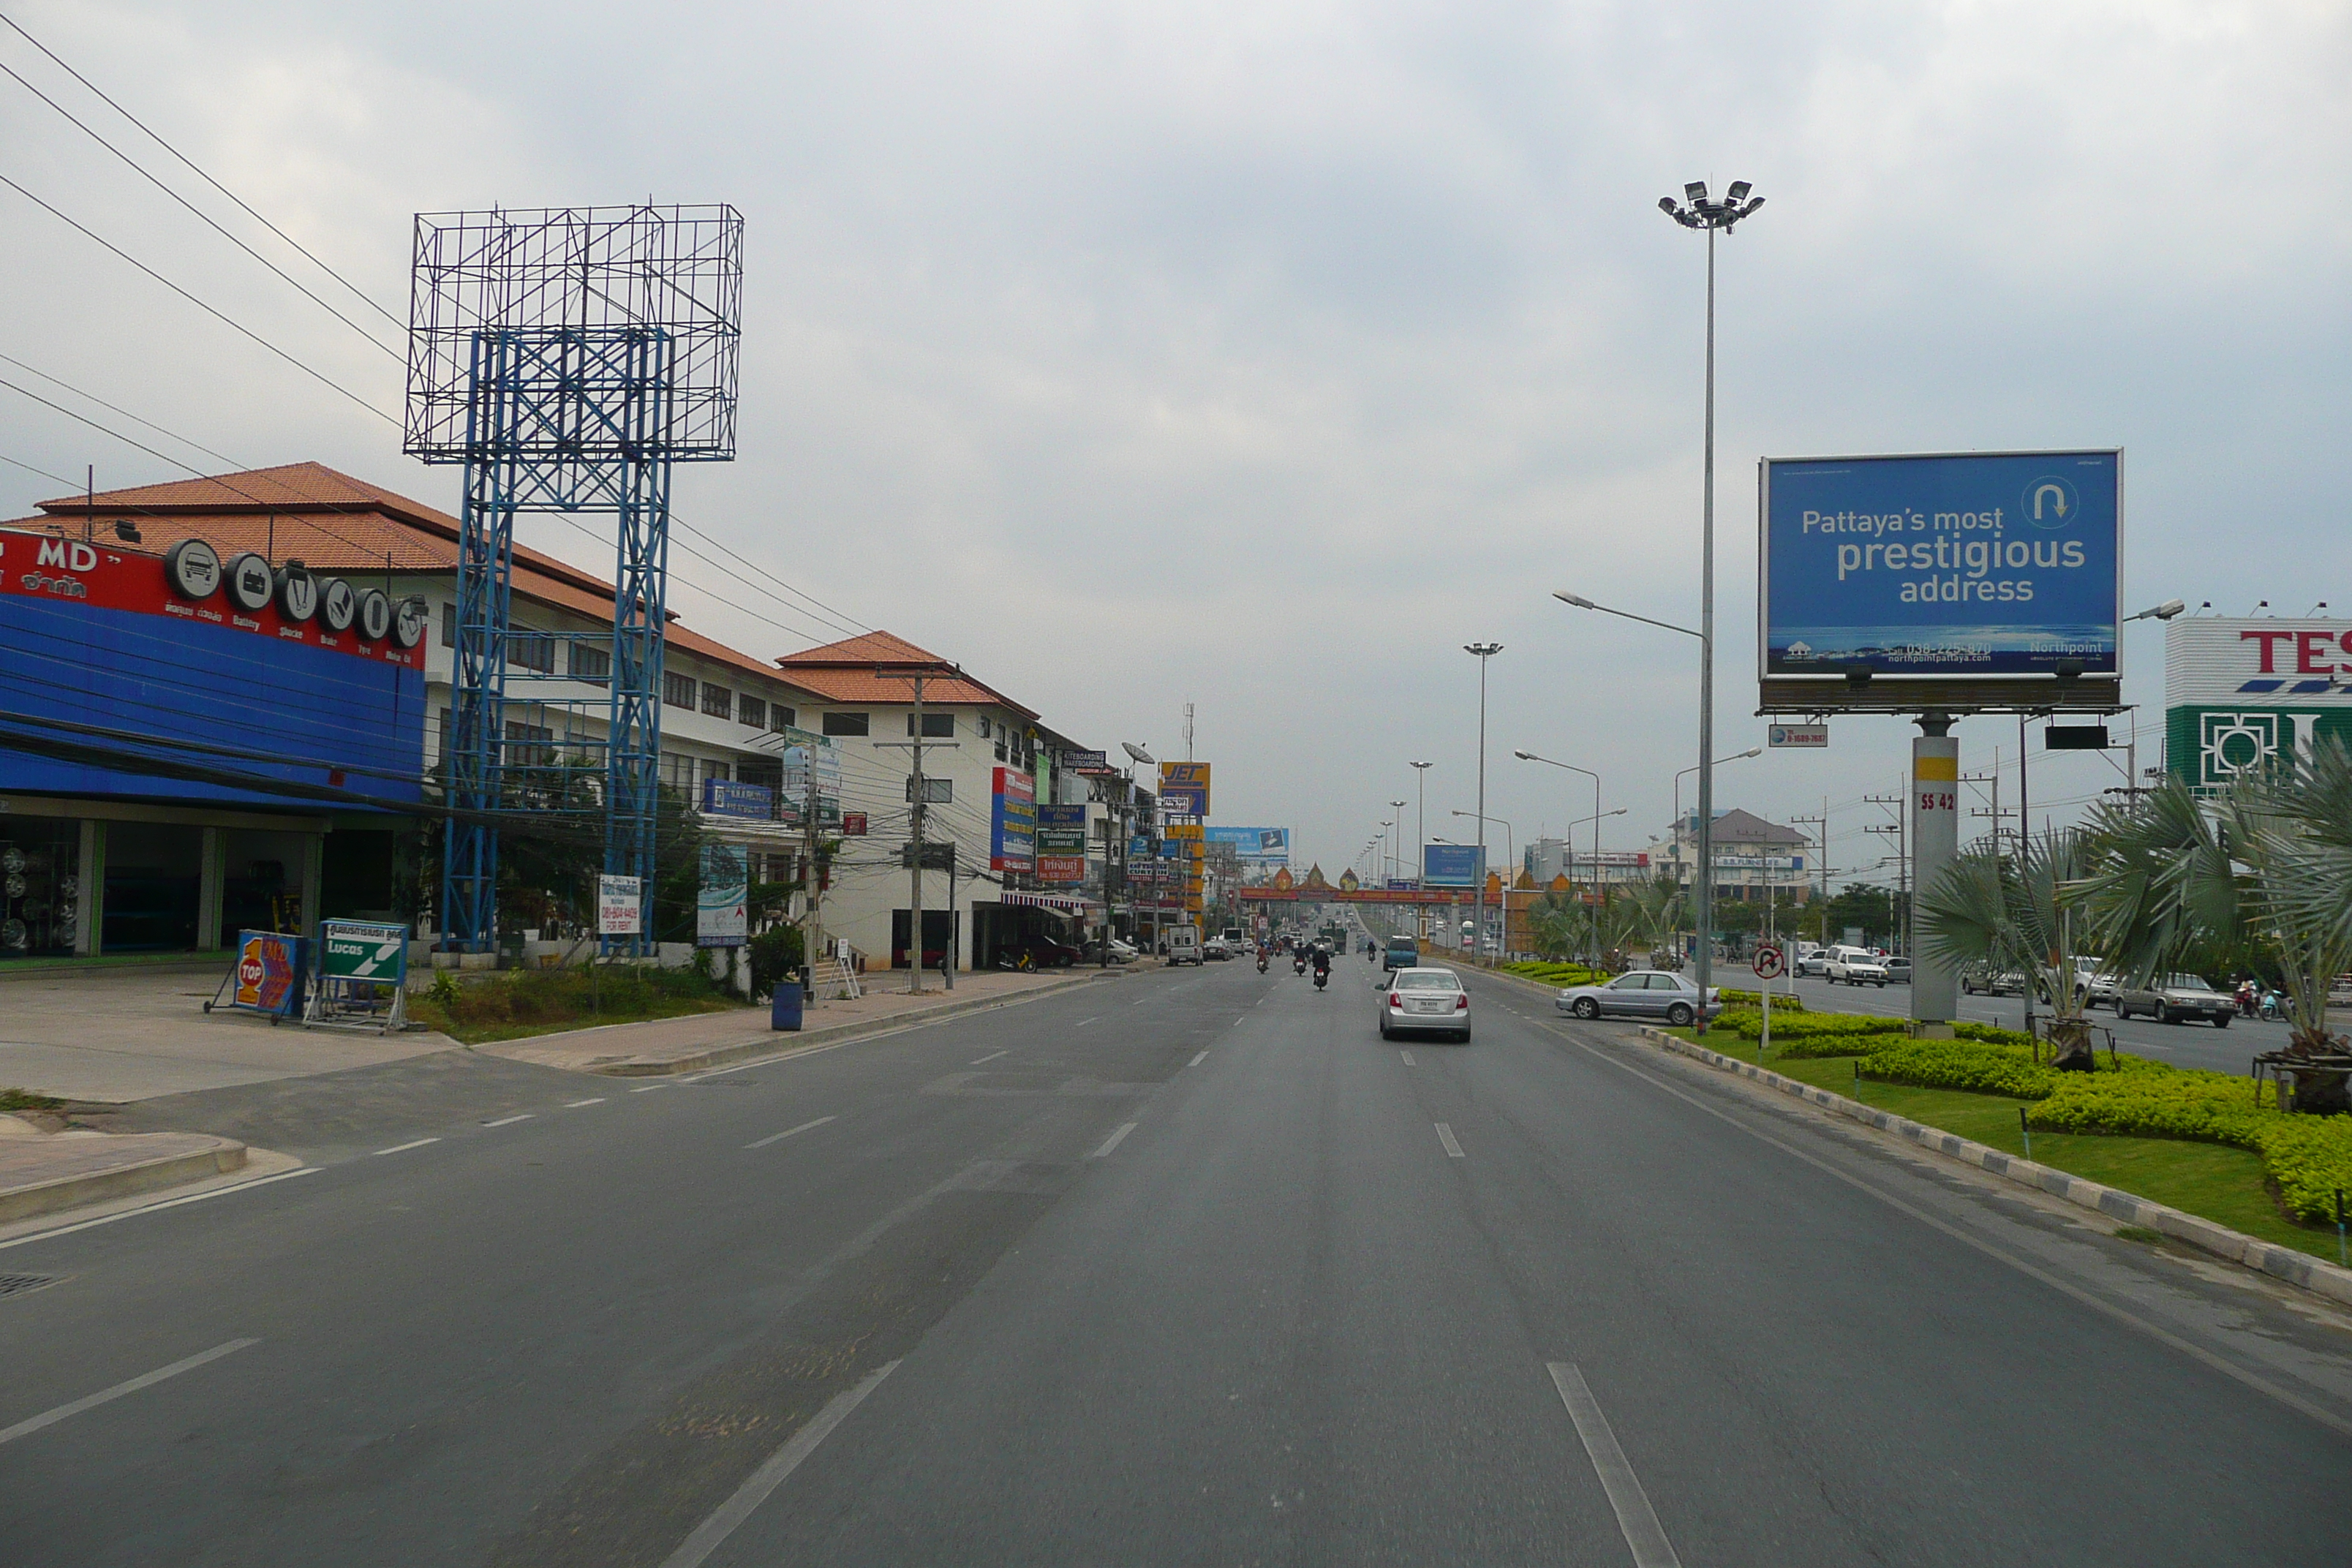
1934	842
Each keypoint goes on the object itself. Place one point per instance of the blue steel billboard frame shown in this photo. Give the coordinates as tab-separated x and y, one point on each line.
1965	582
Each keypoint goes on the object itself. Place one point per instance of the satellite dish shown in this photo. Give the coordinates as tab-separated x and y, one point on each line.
1138	752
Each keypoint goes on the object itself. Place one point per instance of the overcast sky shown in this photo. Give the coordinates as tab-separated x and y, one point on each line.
1263	355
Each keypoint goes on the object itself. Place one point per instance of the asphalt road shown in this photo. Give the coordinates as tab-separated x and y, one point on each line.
1173	1269
2183	1045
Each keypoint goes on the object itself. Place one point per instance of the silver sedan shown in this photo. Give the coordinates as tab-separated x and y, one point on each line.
1418	1000
1643	993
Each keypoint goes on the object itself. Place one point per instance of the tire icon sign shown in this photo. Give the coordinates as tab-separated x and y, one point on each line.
375	615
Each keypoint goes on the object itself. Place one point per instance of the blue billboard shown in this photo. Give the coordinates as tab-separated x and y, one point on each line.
1451	865
1971	565
1254	846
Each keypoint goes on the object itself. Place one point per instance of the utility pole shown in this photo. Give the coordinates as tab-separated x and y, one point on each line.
1900	921
812	929
1821	854
915	889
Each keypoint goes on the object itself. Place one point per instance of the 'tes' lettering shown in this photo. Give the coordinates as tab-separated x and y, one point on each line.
65	557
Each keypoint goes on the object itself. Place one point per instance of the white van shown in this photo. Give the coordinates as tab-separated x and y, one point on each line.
1183	944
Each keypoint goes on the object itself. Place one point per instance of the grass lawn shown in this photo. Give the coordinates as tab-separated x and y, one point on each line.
516	1006
2213	1180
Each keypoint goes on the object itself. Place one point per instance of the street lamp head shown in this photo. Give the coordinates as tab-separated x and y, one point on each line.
1424	765
1483	649
2164	612
1526	756
1579	600
1753	751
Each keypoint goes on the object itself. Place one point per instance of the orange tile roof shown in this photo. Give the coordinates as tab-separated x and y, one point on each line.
853	670
332	522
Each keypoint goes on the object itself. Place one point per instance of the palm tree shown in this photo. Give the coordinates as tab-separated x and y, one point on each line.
2260	874
2011	911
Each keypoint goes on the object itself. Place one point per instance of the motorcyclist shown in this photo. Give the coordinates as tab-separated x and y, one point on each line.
1322	963
2246	997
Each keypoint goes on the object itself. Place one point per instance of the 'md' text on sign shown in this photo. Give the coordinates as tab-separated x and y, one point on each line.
1976	565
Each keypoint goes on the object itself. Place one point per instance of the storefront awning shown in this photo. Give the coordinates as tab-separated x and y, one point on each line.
1059	905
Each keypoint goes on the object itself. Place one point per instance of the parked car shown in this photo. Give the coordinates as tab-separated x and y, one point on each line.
1983	980
1424	1001
1121	951
2174	998
1642	994
1047	954
1855	966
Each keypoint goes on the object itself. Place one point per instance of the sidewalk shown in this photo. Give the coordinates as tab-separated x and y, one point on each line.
43	1172
711	1039
120	1035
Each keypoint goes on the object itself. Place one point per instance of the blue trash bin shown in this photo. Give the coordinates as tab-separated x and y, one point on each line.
784	1010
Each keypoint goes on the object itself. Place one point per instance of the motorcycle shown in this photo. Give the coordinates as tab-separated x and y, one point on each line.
1261	963
1321	975
1298	966
2272	1006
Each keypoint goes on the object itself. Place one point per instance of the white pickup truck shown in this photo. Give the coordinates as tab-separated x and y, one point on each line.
1854	966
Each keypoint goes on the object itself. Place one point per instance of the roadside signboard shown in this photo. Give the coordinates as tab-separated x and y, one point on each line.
732	797
267	977
1255	845
1771	964
1980	579
1061	870
1814	736
1012	821
2240	694
853	824
362	949
1090	765
363	977
620	905
1451	865
1185	788
721	905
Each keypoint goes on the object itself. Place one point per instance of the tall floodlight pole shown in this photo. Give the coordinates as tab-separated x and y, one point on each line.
1712	216
1421	840
567	357
1482	652
1396	841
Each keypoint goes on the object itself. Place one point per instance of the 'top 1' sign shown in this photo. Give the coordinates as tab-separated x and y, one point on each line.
1973	565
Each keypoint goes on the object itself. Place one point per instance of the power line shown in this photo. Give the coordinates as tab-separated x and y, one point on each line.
203	216
111	408
156	138
117	250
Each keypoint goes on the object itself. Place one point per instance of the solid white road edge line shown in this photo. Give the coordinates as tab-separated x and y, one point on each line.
87	1401
711	1531
509	1121
989	1058
576	1104
166	1204
780	1137
1114	1141
1635	1518
1445	1136
405	1147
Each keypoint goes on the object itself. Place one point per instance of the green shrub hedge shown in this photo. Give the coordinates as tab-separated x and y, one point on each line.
2308	1157
1751	999
1550	973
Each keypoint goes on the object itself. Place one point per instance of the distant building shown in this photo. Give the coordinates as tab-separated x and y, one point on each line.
1548	858
1751	856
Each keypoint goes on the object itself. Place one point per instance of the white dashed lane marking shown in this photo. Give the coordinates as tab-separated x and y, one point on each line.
787	1132
1114	1141
509	1121
576	1104
1196	1061
1445	1136
405	1147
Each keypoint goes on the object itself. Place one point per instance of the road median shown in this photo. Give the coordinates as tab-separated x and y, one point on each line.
42	1173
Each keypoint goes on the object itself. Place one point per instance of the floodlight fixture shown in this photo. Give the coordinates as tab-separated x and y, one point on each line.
1737	192
1694	192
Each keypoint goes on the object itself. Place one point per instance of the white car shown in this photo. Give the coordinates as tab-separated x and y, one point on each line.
1424	1001
1855	966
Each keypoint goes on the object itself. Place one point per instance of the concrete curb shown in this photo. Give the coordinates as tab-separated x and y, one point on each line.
2278	1262
144	1176
773	1042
